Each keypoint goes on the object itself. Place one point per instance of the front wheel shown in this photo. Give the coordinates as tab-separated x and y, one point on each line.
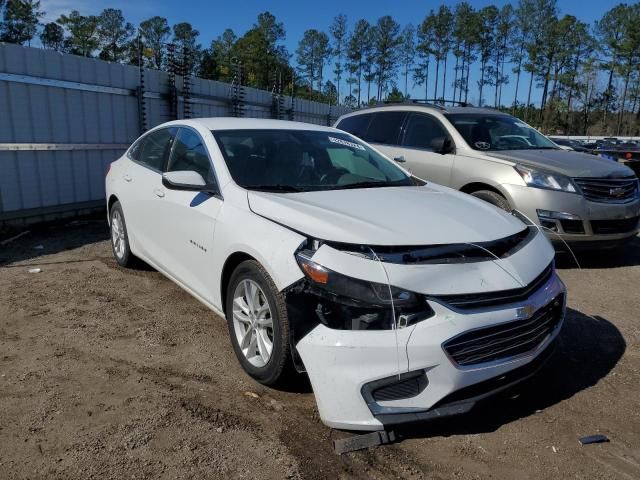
493	198
258	324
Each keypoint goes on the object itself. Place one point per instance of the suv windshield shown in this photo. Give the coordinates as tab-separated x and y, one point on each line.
300	160
498	132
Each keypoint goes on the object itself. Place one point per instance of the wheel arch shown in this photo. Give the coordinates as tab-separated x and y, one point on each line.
112	199
230	264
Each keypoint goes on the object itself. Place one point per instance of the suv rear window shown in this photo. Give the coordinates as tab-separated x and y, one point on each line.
385	127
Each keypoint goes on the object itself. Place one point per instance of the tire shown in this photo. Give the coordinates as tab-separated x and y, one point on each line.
493	198
119	237
277	366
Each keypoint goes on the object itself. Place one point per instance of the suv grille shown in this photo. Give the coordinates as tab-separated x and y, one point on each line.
614	226
609	190
506	340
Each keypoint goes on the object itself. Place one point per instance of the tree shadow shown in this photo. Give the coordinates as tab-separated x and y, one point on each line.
588	349
624	256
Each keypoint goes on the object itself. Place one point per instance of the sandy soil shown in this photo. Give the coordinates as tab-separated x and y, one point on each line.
113	373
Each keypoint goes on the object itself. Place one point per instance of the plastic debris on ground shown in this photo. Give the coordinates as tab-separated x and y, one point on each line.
589	439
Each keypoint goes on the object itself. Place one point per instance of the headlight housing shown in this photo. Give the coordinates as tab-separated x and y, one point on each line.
546	180
353	290
349	303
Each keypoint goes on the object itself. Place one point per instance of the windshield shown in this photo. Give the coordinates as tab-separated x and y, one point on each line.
300	160
498	132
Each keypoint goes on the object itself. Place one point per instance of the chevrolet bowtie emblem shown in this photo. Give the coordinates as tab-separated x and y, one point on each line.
525	312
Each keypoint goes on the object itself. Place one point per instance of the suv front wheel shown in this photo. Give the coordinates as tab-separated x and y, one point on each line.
493	198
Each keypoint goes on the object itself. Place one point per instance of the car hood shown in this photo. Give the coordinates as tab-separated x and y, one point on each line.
572	164
387	216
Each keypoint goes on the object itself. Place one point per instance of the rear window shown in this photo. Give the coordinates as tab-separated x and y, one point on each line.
385	127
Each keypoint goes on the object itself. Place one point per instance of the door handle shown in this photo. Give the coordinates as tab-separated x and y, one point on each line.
159	192
400	159
127	178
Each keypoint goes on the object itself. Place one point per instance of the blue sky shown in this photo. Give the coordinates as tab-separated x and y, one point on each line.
211	17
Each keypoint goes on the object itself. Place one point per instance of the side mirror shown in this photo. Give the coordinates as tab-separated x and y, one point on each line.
442	145
185	180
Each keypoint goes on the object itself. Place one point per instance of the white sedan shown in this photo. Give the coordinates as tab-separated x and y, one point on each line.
402	300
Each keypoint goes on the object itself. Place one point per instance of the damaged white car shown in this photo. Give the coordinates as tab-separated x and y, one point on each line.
402	300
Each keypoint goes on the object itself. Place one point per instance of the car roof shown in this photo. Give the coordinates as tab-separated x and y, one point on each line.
233	123
411	106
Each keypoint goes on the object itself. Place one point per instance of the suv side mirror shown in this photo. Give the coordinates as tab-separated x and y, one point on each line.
188	180
442	145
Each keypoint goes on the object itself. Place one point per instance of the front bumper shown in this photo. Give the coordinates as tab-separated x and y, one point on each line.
598	224
343	365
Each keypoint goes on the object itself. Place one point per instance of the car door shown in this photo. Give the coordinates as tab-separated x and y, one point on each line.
418	153
143	183
186	228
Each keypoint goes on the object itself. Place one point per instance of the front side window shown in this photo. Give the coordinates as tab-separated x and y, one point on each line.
385	128
189	153
299	160
421	131
498	132
155	148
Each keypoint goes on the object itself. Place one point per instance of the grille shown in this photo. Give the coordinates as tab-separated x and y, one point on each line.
609	190
408	388
614	226
490	299
505	340
572	226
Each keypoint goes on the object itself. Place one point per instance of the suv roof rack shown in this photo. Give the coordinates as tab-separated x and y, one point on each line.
432	102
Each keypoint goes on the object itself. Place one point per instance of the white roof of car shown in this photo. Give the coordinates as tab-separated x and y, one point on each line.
232	123
420	107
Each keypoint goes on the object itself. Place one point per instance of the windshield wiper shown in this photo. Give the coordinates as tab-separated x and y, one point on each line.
274	188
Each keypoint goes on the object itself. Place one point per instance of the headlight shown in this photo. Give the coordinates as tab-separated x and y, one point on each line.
353	290
549	181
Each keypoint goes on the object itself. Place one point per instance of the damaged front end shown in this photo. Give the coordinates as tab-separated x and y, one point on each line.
368	323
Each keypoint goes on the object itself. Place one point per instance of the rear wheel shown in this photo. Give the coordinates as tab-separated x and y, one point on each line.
119	237
493	198
258	324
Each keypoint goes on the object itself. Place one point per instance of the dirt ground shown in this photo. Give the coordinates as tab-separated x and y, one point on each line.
113	373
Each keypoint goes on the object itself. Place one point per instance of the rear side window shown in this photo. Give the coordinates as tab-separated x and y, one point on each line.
189	153
355	125
422	130
155	148
385	127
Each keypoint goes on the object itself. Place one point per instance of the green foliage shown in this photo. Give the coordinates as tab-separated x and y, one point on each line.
20	20
154	33
52	36
113	34
312	54
82	33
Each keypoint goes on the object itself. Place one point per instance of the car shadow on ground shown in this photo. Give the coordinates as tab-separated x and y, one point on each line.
626	256
588	349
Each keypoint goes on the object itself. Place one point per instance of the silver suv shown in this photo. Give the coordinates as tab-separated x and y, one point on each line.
582	199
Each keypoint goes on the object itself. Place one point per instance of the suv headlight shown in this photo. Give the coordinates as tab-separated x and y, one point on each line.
549	181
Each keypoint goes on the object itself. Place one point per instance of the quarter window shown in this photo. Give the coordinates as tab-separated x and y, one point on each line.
189	153
355	125
385	128
421	131
155	148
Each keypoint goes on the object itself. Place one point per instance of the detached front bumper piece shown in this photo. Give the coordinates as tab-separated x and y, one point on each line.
369	380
